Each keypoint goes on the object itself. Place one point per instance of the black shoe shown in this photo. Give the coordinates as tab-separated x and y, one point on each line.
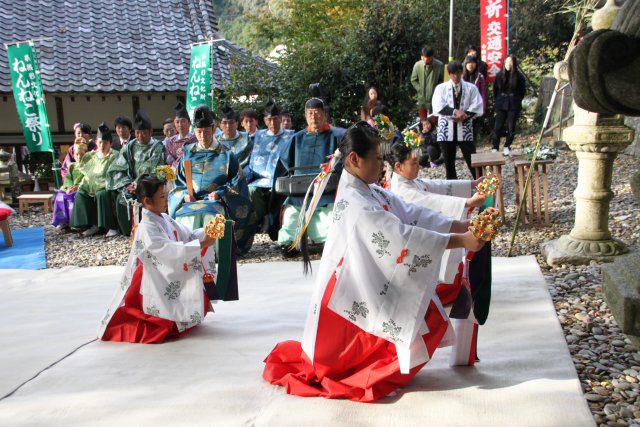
439	161
289	253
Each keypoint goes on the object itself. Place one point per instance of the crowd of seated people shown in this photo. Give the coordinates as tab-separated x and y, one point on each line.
219	170
231	172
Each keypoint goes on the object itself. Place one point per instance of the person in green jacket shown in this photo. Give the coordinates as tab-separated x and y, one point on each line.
64	197
94	207
140	156
426	75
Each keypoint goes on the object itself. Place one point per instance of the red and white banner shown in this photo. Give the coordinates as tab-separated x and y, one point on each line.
493	34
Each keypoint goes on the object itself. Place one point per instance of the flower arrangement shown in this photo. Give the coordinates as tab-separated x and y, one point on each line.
215	227
544	152
488	186
383	124
485	224
165	173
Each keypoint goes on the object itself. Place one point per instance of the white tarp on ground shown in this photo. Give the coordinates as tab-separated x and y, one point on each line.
213	375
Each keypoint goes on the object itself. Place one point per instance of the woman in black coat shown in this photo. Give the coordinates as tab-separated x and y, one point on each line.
509	88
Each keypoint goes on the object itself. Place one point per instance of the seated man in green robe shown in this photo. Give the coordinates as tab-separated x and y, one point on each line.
236	141
309	148
94	205
218	184
140	156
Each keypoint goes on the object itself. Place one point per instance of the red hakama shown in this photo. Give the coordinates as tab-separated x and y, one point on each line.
349	363
130	324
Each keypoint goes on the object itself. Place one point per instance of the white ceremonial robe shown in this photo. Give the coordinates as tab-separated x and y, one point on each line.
164	247
377	289
448	197
470	101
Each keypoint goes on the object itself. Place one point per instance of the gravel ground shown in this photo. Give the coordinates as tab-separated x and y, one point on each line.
607	365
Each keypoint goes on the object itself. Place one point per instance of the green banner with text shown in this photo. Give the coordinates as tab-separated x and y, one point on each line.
199	85
27	91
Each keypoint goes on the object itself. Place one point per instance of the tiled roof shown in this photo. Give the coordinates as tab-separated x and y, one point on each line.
114	45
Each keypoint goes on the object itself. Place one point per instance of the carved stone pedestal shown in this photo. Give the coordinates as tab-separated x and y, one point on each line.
597	139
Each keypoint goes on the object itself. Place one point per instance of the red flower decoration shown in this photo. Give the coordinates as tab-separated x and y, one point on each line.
403	253
185	267
386	207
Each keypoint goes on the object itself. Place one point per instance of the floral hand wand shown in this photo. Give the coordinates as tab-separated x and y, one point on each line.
488	186
485	224
215	227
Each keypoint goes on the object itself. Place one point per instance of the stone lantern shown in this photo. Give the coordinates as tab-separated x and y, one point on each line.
603	70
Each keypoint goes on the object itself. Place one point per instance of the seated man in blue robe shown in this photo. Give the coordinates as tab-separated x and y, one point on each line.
218	184
267	147
310	148
236	141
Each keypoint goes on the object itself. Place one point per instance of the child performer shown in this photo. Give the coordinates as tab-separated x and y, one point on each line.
453	198
161	294
374	319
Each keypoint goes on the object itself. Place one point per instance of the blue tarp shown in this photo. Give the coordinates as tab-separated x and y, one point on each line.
27	252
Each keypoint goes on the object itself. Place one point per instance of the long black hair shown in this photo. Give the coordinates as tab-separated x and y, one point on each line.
367	103
466	74
509	79
147	186
360	138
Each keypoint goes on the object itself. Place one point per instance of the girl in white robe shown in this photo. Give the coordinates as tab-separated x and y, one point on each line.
161	293
374	319
454	198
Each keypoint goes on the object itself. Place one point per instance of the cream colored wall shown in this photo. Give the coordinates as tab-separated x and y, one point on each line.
157	108
93	111
9	122
97	110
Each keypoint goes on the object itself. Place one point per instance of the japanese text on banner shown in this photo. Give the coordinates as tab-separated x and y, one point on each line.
493	27
29	98
199	85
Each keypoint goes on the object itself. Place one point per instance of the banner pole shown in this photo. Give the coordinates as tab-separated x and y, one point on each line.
450	30
39	39
508	27
213	78
54	169
207	41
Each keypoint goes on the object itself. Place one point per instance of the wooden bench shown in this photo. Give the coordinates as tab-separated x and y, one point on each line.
483	163
44	197
533	213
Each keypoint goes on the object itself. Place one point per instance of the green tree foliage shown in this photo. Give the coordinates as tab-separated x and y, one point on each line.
235	21
349	45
